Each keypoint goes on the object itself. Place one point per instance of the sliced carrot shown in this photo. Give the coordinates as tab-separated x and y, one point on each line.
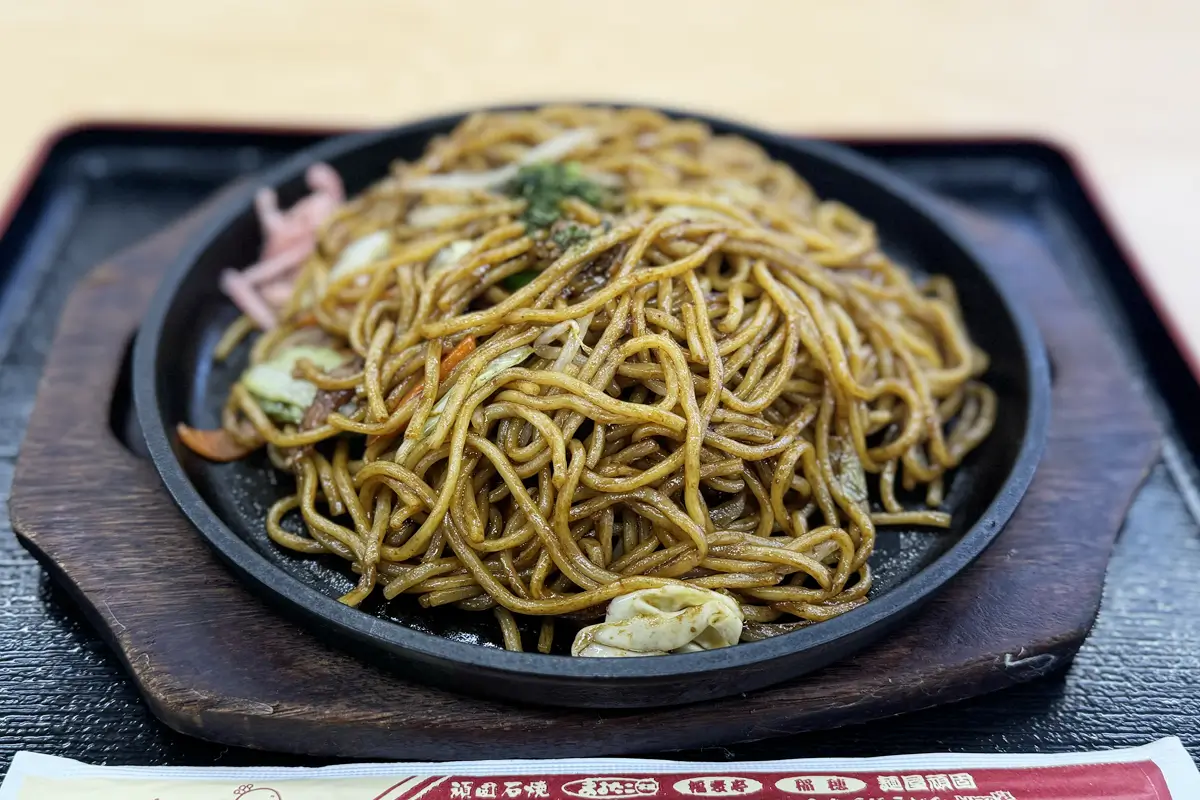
449	362
215	445
456	356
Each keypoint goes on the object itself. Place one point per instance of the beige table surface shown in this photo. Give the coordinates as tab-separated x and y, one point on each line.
1117	82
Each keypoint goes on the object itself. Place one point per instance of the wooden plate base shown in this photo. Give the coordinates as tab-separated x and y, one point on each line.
214	661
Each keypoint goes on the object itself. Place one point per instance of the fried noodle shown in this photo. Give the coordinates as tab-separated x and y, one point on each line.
683	367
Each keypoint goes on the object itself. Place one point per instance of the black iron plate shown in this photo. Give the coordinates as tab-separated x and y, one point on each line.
174	380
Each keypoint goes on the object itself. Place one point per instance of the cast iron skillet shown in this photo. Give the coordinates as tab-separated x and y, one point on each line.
175	380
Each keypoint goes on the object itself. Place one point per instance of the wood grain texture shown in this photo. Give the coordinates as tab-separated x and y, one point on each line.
213	661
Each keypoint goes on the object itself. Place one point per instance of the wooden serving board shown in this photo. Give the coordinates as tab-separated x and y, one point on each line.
214	661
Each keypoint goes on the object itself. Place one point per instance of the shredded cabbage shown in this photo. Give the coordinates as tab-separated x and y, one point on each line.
281	412
848	469
502	362
361	253
283	397
432	215
549	151
450	255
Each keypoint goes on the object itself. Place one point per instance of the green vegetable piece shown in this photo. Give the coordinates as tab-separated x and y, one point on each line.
572	234
545	185
274	386
282	412
519	280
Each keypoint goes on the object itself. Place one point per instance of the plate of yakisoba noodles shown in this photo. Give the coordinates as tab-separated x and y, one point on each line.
590	405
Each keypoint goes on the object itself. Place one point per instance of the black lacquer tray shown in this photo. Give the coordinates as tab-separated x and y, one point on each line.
102	188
